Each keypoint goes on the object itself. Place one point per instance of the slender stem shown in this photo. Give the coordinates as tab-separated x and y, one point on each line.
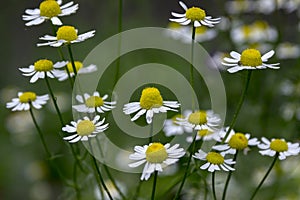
72	59
187	167
151	132
228	177
239	106
264	178
213	185
99	173
154	185
137	191
191	66
77	189
54	100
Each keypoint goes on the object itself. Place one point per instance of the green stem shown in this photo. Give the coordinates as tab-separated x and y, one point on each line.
239	106
154	185
187	167
137	191
264	178
191	66
228	177
213	185
72	59
77	189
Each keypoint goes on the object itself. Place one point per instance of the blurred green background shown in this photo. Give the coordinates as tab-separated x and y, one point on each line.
271	108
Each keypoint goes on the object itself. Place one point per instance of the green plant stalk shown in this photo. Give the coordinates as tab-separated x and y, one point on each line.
213	185
192	67
187	167
154	185
72	60
266	175
228	177
239	106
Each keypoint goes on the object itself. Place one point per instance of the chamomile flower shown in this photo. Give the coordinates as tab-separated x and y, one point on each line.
278	146
215	161
172	128
65	35
235	141
63	75
42	68
151	102
205	135
287	50
250	59
27	99
156	156
91	104
49	10
201	120
194	15
84	129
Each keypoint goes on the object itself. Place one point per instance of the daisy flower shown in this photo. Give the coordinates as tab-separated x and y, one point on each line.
84	129
205	135
235	141
172	128
42	68
27	99
63	75
156	156
288	50
278	146
249	59
49	10
151	102
194	15
201	120
215	161
65	35
92	103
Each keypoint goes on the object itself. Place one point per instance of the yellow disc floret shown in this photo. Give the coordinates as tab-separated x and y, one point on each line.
94	101
27	97
78	66
198	118
215	158
279	145
251	57
201	30
49	9
43	65
204	132
67	33
156	153
195	14
174	118
238	141
85	127
246	30
151	98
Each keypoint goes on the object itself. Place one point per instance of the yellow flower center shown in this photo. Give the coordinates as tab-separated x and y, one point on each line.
198	118
49	9
174	25
174	118
195	14
94	101
43	65
204	132
279	145
156	153
151	98
85	127
67	33
78	65
238	141
215	158
27	97
201	30
262	25
246	30
251	57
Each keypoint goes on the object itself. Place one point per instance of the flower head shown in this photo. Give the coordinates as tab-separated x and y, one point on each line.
49	9
235	141
84	129
194	15
172	128
249	59
156	156
278	146
94	103
65	35
150	102
215	161
63	75
205	135
42	68
201	120
27	99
